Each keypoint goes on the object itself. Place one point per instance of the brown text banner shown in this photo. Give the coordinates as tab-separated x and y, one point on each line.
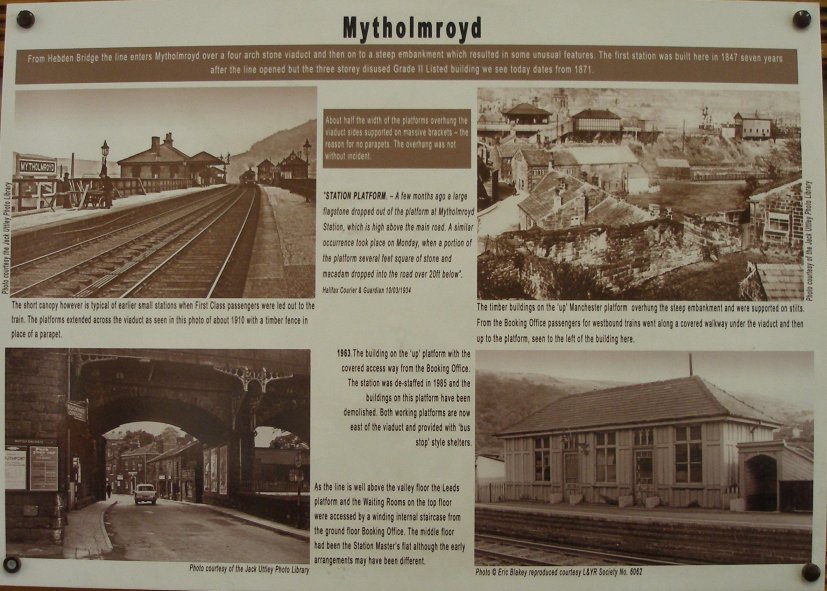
408	62
397	138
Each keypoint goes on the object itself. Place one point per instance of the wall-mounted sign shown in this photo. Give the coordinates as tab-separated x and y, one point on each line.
43	468
78	411
15	468
36	167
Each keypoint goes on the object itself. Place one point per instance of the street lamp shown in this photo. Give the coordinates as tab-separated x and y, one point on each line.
104	154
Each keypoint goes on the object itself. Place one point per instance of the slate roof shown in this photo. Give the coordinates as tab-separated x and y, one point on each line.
535	156
667	401
595	114
207	158
526	109
165	155
150	449
592	155
508	149
614	212
781	282
173	452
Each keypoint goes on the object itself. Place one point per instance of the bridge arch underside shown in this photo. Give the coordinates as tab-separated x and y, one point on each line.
285	405
195	398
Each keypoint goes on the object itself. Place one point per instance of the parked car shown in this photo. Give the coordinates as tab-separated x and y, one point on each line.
145	493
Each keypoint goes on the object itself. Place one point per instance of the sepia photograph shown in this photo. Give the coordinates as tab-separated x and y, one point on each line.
643	458
162	455
639	194
164	193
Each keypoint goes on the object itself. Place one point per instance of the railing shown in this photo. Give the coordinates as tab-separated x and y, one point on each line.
494	492
159	185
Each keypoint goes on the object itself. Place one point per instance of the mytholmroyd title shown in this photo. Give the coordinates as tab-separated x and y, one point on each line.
385	28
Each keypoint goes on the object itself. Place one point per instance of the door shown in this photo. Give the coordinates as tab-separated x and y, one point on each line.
644	481
571	474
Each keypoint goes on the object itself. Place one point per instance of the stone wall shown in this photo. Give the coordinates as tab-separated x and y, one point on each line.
36	385
614	259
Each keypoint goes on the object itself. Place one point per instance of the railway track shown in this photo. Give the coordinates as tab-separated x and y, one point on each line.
188	251
501	551
29	246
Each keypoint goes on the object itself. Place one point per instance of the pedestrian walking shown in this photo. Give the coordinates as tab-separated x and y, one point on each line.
108	490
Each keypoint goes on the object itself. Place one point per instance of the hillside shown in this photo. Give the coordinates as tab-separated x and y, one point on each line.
275	147
713	151
504	398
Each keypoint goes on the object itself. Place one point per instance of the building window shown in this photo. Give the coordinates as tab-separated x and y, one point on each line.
644	437
573	441
542	465
688	454
606	450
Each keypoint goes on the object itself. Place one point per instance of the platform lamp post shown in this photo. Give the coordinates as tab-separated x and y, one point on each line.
226	162
104	155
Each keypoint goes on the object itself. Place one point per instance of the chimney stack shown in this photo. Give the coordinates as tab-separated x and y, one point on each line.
168	139
156	143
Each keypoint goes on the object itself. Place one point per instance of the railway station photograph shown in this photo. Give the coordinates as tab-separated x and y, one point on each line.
639	194
643	458
161	455
164	193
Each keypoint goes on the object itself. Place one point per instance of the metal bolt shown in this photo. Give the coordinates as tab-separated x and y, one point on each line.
811	572
802	19
12	564
25	18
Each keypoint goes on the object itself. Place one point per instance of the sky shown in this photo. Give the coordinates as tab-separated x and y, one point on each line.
56	123
776	375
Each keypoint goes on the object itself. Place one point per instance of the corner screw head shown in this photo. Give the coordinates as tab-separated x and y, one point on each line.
811	572
25	18
12	564
802	19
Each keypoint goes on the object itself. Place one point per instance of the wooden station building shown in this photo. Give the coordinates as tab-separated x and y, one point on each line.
680	443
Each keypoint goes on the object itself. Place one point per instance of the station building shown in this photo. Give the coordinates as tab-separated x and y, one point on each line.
162	160
680	443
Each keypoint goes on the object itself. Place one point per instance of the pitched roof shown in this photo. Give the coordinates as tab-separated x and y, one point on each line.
614	212
535	156
141	451
508	149
165	154
781	282
595	114
593	155
526	109
667	401
173	452
672	163
206	157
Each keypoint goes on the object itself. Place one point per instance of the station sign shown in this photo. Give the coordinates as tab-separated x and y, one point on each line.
36	166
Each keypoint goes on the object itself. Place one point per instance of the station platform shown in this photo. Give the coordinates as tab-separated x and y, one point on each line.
759	519
35	220
283	256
